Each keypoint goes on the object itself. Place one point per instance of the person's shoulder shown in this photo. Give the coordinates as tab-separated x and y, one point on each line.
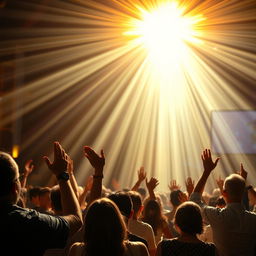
145	225
135	248
135	238
76	249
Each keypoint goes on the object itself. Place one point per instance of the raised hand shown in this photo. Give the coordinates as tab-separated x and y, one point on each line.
60	162
152	183
29	167
243	172
208	163
97	161
173	185
141	174
189	185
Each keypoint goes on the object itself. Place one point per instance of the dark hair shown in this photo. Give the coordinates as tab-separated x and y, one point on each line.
104	229
33	192
123	202
44	191
8	170
174	197
56	199
136	201
152	215
189	219
142	191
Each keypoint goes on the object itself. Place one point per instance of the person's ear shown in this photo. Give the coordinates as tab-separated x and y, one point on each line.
177	228
224	193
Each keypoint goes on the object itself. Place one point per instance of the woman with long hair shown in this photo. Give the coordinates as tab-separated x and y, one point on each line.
152	214
105	233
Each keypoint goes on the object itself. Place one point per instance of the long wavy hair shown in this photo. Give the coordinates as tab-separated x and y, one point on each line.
152	214
104	229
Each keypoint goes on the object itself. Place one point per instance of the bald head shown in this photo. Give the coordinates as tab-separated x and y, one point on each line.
9	171
234	187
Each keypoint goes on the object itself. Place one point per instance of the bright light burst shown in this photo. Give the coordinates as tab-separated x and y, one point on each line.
164	31
136	78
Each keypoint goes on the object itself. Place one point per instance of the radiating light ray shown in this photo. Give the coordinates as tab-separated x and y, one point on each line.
87	83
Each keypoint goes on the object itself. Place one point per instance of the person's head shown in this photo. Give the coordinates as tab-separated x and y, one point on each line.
33	194
10	187
188	218
152	214
136	202
104	228
45	198
56	200
234	186
143	192
175	197
123	202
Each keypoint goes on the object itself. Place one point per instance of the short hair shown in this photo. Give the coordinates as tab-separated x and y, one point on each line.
8	172
174	197
234	185
142	191
56	199
123	202
136	200
33	192
44	191
189	219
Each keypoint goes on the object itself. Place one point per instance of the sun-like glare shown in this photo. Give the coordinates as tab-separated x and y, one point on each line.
164	31
139	79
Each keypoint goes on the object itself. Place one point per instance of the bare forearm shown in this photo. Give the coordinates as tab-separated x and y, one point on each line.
23	182
136	186
199	188
74	184
96	185
69	200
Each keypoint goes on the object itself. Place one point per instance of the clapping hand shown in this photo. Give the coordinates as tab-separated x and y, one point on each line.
60	161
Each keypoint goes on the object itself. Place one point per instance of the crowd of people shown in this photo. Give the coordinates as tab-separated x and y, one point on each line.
93	220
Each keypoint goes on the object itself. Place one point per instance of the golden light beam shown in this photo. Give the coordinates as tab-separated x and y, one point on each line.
109	93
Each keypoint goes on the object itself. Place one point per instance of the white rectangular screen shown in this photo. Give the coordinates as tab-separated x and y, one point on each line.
234	132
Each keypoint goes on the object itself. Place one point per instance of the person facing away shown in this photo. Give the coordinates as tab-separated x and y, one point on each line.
105	233
26	231
189	223
152	214
233	227
124	203
138	227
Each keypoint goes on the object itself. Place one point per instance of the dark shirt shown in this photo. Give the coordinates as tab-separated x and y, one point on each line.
174	247
134	238
28	232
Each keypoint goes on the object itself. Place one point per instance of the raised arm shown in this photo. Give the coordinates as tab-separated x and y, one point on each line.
97	162
87	188
72	176
29	167
71	209
141	176
190	184
209	166
151	185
